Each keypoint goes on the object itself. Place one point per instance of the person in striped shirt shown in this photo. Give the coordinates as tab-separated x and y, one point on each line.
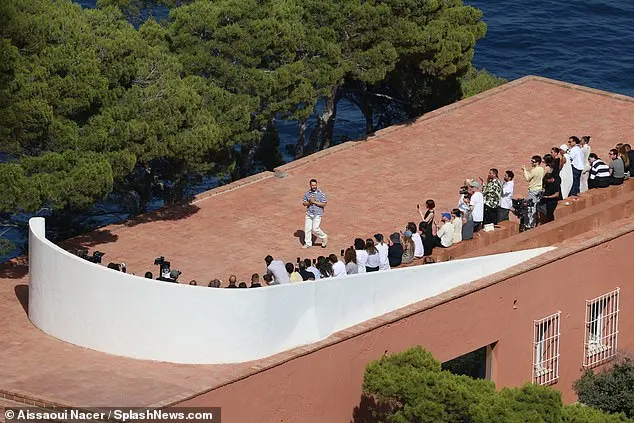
315	202
599	173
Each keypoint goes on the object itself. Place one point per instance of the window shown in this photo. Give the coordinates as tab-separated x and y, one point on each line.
602	329
546	349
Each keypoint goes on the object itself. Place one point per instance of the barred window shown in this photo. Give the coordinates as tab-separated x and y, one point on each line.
546	349
602	329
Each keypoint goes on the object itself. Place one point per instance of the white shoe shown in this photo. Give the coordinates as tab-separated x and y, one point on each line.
324	242
306	246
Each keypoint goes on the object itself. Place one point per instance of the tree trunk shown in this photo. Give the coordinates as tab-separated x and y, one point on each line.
322	134
366	108
299	147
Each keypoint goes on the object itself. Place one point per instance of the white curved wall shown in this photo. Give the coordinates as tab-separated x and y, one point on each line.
95	307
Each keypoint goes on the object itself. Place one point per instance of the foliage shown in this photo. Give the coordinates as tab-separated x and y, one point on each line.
477	81
611	390
410	386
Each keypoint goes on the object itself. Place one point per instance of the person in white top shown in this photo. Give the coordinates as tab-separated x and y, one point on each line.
277	269
585	147
576	156
362	255
477	205
444	236
456	221
382	248
338	266
419	250
506	201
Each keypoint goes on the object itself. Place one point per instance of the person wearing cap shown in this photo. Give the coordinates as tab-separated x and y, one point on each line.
315	201
535	179
408	247
565	172
395	250
477	205
382	248
444	236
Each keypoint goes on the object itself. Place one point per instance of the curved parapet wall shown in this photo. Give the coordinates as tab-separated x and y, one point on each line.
95	307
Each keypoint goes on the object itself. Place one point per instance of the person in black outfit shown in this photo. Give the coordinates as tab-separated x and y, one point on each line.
427	237
550	197
395	250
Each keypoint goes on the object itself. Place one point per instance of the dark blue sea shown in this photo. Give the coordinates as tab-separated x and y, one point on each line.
586	42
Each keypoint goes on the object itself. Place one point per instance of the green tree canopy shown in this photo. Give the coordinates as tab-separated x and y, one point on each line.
611	390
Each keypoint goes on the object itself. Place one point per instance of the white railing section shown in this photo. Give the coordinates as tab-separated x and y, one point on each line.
118	313
546	349
602	329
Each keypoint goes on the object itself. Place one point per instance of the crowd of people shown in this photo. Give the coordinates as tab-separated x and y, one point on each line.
562	174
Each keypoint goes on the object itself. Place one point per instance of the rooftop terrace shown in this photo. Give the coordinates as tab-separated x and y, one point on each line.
372	186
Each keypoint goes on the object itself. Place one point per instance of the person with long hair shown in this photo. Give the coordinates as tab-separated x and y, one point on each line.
585	147
350	258
626	159
427	236
374	260
565	171
408	247
556	167
362	255
325	267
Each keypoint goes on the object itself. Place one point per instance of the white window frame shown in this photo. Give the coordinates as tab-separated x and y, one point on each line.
546	334
602	329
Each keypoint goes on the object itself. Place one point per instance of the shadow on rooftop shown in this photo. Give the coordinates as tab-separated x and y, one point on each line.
16	268
175	212
90	239
22	294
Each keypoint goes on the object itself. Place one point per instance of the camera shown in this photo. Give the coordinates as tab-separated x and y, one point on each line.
464	190
95	258
164	266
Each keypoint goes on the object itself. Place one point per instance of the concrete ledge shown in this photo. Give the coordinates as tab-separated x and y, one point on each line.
592	198
316	156
233	185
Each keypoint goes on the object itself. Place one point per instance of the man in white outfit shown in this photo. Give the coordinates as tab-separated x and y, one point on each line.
315	202
585	146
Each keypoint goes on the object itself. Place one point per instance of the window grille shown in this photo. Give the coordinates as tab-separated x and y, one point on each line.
602	329
546	349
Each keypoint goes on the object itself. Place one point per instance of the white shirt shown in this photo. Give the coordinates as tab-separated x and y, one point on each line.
506	201
362	259
462	206
419	251
445	233
278	270
373	260
477	203
384	262
339	269
314	271
457	229
576	154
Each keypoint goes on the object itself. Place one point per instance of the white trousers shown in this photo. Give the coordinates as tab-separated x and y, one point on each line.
311	225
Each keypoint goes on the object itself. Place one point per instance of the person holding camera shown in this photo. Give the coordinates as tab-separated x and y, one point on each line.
315	202
535	178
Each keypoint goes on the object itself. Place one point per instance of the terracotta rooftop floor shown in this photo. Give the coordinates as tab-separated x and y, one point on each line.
372	186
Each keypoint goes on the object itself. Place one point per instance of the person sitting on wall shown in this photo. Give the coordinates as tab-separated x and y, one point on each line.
292	274
599	173
325	267
444	236
548	203
149	275
456	221
617	168
173	276
408	247
467	219
242	285
215	283
338	266
255	281
193	282
374	260
395	250
277	269
232	281
312	269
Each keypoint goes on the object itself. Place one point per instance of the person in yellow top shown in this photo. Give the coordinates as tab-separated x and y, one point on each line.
534	177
